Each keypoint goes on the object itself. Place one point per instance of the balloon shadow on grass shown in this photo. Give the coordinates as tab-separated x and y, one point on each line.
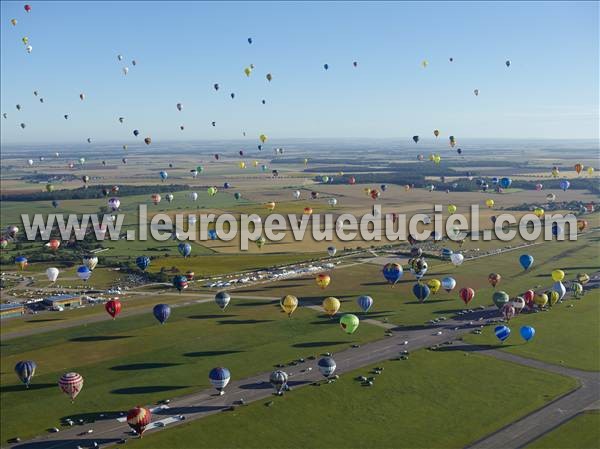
23	388
209	353
209	316
67	443
243	321
473	348
94	338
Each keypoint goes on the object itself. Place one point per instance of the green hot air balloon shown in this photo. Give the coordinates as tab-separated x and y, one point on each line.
349	323
500	299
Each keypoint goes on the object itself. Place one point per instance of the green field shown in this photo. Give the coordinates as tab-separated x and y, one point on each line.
137	361
419	403
581	432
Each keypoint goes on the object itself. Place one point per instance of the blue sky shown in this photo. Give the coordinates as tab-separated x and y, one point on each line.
183	48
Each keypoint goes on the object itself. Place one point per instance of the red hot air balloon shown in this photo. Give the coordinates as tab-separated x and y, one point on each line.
467	294
138	418
113	307
528	296
493	279
352	180
27	8
53	244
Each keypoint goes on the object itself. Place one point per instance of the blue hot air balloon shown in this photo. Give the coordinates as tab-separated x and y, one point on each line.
161	312
219	378
526	261
564	184
365	303
505	183
326	366
502	332
25	370
392	272
185	249
163	175
142	262
226	185
448	284
494	180
527	332
421	292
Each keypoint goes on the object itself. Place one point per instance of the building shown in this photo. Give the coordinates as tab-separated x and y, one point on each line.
63	301
11	310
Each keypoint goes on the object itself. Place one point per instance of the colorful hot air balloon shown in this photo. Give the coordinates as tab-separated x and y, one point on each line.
500	298
466	294
25	370
219	378
365	303
84	273
289	303
527	332
113	307
448	284
180	282
138	419
53	244
323	280
71	384
502	332
326	366
185	249
161	312
493	279
392	272
222	299
90	261
279	381
421	292
349	323
331	305
526	261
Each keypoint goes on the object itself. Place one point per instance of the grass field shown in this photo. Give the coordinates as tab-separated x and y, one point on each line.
136	359
581	432
419	403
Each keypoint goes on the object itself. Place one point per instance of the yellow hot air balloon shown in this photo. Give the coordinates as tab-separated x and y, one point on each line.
263	138
578	168
424	63
289	303
331	305
558	275
451	208
255	164
437	159
431	157
555	172
248	71
25	40
541	299
323	280
13	22
539	212
242	165
260	242
552	298
270	205
434	285
590	171
489	203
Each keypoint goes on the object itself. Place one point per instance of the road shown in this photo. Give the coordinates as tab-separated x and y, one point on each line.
109	430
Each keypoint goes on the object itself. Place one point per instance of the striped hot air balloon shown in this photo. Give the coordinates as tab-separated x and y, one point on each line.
71	384
502	332
138	418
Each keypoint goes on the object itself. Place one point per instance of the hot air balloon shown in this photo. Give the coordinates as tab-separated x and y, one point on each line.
583	278
237	195
352	180
421	291
247	71
142	262
578	168
560	289
52	274
452	141
263	138
222	299
415	139
84	273
476	92
179	106
161	312
539	212
90	261
269	77
138	419
180	282
289	303
212	191
494	278
434	285
326	66
448	284
466	294
113	307
25	370
581	225
3	243
71	384
323	280
457	259
392	272
147	140
500	298
249	40
53	244
260	242
424	63
331	305
326	366
185	249
541	299
365	303
558	275
219	378
308	211
526	261
21	262
577	289
518	303
508	311
156	198
564	185
279	381
451	208
502	332
13	22
505	183
349	323
590	171
114	203
539	187
270	205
